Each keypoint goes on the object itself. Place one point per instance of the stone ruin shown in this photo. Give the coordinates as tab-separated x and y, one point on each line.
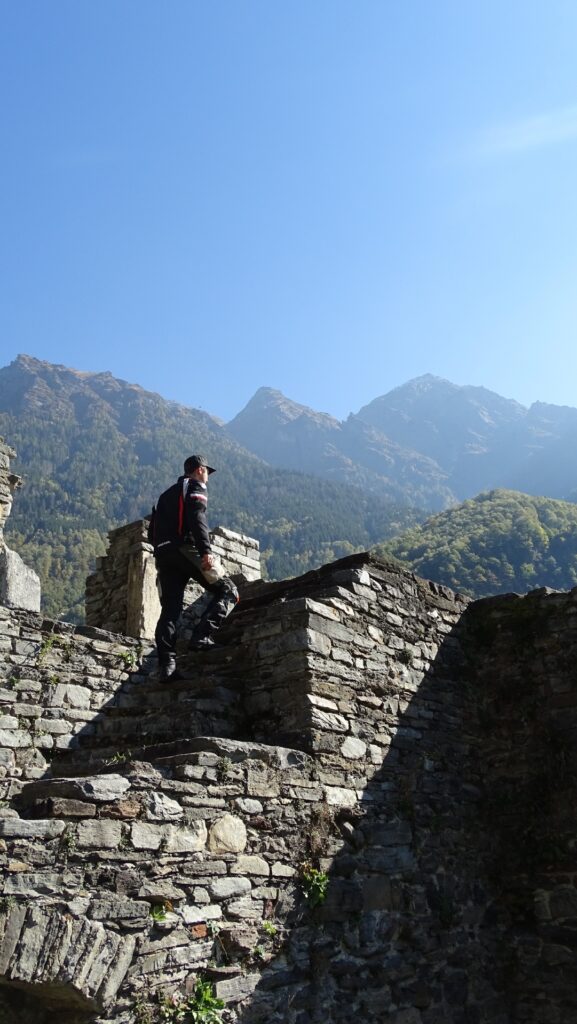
121	595
362	731
19	585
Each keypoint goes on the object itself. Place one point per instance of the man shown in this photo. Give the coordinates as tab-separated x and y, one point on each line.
179	533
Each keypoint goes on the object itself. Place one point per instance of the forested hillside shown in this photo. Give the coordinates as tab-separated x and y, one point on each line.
95	452
498	542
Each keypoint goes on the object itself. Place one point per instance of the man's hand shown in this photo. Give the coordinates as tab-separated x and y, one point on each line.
207	562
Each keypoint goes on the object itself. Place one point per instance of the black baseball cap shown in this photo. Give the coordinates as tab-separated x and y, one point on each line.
194	462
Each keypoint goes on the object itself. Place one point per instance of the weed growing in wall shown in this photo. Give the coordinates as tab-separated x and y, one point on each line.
223	768
314	884
130	658
159	911
6	904
144	1013
61	641
201	1007
68	842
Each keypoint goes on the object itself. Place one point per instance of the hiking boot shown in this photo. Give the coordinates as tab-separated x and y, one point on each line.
168	670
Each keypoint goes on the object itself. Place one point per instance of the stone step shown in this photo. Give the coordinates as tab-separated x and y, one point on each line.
146	711
110	760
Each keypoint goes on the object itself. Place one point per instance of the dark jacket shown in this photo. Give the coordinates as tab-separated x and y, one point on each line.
178	520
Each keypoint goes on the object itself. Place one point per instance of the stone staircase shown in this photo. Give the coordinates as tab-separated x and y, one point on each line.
145	714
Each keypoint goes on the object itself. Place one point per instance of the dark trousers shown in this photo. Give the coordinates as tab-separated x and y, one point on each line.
174	571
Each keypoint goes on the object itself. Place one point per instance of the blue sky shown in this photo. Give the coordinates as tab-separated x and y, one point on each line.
325	197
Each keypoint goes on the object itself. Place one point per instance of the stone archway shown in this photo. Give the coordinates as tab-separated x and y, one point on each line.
56	968
37	1004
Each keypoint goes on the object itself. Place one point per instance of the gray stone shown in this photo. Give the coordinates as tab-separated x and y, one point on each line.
96	788
186	839
19	585
280	870
227	835
160	807
160	890
17	828
15	738
326	720
398	833
11	925
250	865
410	1016
353	748
32	884
146	837
100	834
337	796
245	908
195	915
248	806
119	908
233	990
224	888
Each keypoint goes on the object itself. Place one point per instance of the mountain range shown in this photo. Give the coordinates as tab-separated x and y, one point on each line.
96	451
429	442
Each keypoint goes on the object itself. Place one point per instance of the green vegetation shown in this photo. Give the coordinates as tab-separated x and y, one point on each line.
95	452
7	903
314	884
498	542
223	768
159	911
201	1007
68	841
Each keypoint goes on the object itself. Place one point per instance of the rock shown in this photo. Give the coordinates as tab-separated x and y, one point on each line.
160	807
353	748
232	990
15	738
280	870
227	835
119	908
146	837
250	865
19	585
223	888
160	891
100	834
96	788
238	941
17	828
248	806
33	884
192	914
336	796
185	839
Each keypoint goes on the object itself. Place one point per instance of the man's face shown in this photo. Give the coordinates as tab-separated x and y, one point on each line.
200	473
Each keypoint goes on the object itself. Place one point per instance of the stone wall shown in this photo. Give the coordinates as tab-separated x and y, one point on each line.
55	681
121	595
8	483
525	678
359	722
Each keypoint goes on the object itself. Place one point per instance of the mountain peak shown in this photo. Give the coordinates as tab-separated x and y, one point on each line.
276	406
